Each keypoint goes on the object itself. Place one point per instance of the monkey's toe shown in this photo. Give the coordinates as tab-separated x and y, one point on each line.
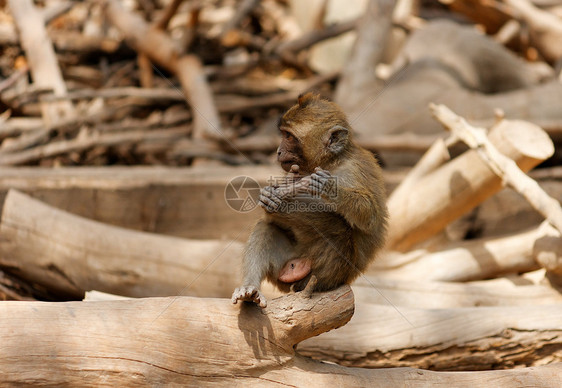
249	294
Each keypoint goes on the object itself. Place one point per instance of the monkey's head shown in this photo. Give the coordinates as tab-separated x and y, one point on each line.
315	133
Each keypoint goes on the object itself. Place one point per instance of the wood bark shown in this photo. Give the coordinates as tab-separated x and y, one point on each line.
461	184
200	342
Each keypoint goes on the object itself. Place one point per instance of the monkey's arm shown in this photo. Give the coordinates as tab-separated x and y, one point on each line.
358	205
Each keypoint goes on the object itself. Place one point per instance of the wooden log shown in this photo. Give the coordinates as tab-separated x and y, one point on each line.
445	339
442	295
166	342
440	66
548	253
434	157
200	342
184	202
70	255
462	184
470	260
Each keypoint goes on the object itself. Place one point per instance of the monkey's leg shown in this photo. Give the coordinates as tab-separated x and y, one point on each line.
268	249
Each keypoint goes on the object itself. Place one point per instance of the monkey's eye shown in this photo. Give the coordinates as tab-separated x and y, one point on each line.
286	135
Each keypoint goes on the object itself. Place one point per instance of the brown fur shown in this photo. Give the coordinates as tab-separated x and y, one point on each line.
339	244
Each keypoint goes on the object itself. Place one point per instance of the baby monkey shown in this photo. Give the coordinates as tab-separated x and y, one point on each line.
327	218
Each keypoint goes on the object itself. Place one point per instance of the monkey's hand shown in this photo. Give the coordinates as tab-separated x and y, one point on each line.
271	199
321	183
249	294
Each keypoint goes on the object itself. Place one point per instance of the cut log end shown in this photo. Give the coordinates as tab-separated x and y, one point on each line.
310	314
525	137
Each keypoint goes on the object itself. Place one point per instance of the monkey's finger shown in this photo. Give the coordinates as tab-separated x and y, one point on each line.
321	171
268	190
268	205
323	174
267	201
316	187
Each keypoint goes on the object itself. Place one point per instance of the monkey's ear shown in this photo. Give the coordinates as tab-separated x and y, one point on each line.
306	98
337	138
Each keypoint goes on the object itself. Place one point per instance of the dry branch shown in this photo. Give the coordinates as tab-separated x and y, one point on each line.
86	140
41	56
546	28
188	68
289	48
504	167
461	184
372	36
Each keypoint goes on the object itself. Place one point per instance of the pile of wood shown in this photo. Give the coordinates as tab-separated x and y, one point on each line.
471	278
143	83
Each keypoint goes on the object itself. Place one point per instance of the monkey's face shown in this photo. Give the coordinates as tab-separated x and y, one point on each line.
290	150
314	133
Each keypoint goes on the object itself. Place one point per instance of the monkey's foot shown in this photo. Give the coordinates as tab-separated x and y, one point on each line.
249	294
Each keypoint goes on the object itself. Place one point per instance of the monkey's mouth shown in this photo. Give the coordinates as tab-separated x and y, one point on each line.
287	165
